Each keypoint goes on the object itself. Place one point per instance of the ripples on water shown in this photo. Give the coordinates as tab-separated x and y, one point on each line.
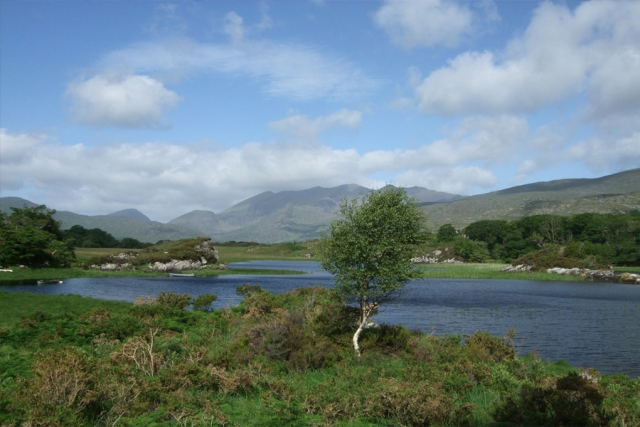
587	324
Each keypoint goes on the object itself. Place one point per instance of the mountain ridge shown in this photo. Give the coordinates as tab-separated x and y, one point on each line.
271	217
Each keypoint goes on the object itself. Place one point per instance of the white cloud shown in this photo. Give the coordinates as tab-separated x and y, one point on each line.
300	126
289	70
561	54
424	23
608	155
15	149
126	101
457	180
488	140
166	180
234	27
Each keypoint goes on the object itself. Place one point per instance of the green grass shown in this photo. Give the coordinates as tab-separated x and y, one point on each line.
256	252
486	271
15	305
85	254
619	270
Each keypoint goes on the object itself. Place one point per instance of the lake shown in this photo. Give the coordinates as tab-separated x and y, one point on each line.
587	324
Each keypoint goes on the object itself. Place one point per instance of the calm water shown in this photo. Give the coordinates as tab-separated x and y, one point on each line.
589	325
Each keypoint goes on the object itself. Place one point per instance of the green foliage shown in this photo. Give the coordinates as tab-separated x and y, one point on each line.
173	300
554	256
470	250
590	239
289	364
31	237
203	302
446	233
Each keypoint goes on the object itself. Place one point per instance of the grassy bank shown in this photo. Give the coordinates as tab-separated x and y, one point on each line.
16	305
240	252
277	360
487	271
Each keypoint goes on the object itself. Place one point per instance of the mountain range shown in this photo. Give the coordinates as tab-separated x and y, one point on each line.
301	215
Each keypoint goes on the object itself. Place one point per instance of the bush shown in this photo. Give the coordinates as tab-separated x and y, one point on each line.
488	348
575	400
203	302
173	300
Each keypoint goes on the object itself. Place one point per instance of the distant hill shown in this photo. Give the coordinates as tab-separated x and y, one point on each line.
120	227
131	213
6	203
617	193
287	215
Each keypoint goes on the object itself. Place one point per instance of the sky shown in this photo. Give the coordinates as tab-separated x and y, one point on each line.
169	107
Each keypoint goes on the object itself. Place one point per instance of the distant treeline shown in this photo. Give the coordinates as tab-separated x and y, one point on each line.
80	237
607	238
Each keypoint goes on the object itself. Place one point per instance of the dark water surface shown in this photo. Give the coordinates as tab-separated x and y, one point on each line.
587	324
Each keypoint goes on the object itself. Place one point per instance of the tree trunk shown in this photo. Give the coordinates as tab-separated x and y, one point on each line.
356	347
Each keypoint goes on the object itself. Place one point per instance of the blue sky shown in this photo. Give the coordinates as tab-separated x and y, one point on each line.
169	107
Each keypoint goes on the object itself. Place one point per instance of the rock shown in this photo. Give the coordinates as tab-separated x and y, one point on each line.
110	266
592	275
520	267
630	278
175	265
437	257
207	251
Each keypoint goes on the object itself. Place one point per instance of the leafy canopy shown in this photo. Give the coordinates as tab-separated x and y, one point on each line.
369	248
31	237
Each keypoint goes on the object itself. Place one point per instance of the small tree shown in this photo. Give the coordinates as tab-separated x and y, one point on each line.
369	249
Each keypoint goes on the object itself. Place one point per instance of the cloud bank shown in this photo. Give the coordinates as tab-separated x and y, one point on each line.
592	50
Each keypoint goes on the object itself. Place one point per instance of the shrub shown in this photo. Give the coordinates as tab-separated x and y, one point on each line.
203	302
173	300
61	387
574	401
486	347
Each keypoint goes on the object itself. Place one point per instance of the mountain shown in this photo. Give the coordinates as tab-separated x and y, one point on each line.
6	203
301	215
126	223
617	193
286	215
120	227
131	213
201	221
273	217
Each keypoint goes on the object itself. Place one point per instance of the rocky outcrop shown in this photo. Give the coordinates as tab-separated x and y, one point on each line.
205	256
207	251
116	262
520	267
176	266
630	278
591	275
438	256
